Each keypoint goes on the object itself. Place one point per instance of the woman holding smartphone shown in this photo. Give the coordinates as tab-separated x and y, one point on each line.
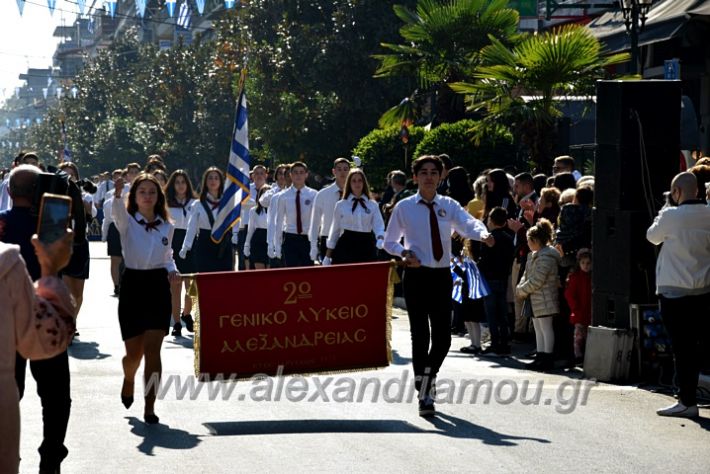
144	304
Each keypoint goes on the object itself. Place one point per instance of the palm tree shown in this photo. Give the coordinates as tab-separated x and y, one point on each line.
517	87
441	44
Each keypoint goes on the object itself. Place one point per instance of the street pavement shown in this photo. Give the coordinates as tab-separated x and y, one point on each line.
615	430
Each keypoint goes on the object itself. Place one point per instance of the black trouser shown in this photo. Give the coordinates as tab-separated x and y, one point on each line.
322	246
296	251
687	320
241	240
427	292
52	377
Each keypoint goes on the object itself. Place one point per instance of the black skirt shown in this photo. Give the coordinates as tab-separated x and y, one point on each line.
78	266
258	247
210	257
113	241
184	265
144	302
355	247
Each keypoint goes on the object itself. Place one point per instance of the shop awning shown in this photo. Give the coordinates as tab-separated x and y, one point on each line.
665	20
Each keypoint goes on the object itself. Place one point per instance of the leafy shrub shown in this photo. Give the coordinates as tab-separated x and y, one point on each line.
382	151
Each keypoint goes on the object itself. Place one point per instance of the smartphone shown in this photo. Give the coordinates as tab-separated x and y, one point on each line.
54	215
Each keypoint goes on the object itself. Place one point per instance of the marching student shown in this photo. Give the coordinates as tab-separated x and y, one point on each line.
357	230
293	214
270	200
180	199
258	179
256	247
323	209
144	305
207	255
426	222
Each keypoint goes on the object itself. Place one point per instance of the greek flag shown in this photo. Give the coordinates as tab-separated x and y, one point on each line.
183	19
236	187
477	285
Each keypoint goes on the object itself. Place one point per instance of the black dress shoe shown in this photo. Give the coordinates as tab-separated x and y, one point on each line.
189	323
151	419
127	401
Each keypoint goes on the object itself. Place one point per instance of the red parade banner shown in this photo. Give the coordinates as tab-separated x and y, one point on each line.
293	320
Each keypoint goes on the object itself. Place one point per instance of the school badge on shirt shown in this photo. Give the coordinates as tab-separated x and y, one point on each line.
165	241
442	212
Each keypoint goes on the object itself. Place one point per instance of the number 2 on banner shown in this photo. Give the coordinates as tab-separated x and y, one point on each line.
297	291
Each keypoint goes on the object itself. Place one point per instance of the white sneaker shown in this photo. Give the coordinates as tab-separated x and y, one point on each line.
679	410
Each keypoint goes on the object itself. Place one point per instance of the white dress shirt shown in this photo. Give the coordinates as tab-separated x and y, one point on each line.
358	220
143	249
181	215
256	221
410	220
197	221
5	199
102	188
271	228
265	198
247	206
286	213
323	208
108	218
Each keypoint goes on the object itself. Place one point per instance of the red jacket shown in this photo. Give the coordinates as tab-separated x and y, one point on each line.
579	297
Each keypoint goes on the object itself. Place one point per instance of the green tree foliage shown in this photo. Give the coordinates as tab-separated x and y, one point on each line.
135	100
311	90
382	151
516	87
459	141
440	44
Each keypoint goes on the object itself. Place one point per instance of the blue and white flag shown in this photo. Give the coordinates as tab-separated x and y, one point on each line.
183	19
140	8
21	5
82	6
112	7
477	285
236	186
200	6
51	4
170	5
229	4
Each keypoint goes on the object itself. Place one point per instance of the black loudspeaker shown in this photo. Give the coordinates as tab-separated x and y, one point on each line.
624	265
638	142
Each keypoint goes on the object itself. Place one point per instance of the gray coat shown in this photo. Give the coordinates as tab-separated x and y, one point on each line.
541	281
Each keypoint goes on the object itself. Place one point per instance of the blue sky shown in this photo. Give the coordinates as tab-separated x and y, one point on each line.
27	40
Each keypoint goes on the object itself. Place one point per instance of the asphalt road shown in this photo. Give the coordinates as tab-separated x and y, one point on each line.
572	427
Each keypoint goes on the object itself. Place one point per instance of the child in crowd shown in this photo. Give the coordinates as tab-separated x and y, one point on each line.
579	297
469	292
495	264
541	283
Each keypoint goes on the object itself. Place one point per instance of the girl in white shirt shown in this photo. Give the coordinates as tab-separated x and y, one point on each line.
357	230
180	198
207	255
256	247
144	304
